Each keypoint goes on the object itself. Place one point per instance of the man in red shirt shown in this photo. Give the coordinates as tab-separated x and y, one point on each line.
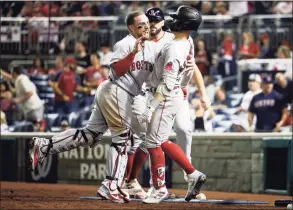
65	84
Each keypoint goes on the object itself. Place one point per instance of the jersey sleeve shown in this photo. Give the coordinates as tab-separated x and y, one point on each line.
121	50
27	85
251	106
57	76
172	60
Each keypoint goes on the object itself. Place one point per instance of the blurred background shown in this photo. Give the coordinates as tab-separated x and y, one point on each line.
43	39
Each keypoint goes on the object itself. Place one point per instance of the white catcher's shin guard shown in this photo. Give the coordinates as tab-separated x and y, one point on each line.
69	140
116	166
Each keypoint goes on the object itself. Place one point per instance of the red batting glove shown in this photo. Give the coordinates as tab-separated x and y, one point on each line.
184	90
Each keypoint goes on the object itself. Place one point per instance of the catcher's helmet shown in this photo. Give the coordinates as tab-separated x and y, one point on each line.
186	18
155	14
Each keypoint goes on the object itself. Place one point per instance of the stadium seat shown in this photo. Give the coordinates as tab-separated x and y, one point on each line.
51	119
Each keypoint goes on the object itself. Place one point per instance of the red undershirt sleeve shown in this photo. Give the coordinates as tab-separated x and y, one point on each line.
121	67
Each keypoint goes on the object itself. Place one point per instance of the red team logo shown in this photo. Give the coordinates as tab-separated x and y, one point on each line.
141	65
169	66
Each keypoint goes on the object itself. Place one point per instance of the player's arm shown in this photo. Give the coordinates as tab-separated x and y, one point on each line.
198	79
283	119
122	66
250	120
164	89
251	111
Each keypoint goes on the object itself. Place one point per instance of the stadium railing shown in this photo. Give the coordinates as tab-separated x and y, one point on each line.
17	38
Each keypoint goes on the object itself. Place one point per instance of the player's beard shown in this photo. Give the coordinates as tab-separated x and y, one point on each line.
156	32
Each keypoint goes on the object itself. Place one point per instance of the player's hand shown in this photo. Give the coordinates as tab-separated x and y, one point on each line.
278	127
205	102
147	115
190	64
139	44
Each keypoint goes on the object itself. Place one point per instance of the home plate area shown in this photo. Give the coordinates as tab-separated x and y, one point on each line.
180	199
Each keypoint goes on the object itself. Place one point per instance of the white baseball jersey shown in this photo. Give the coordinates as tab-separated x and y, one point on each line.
141	67
172	61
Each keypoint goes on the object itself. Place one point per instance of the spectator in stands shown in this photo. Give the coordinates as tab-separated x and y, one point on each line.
82	57
220	101
58	66
238	8
284	86
91	78
7	105
64	125
221	8
202	57
263	7
266	51
26	95
283	53
249	48
4	126
134	6
105	54
38	67
86	10
105	71
283	7
65	84
227	64
268	107
254	81
207	8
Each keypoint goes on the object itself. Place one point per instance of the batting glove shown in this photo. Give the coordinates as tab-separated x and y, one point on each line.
147	115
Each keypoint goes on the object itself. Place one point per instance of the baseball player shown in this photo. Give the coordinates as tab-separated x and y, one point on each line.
166	80
131	64
269	108
182	123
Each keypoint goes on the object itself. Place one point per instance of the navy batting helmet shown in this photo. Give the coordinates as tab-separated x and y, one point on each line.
186	18
155	14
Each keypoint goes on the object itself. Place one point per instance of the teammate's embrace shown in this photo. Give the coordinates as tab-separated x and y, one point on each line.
130	65
182	123
166	80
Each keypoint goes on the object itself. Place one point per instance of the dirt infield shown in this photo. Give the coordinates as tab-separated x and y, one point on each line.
60	196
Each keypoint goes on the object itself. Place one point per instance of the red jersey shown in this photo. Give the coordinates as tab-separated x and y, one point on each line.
67	84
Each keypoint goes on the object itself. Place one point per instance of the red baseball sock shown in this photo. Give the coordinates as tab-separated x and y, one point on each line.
129	165
157	166
177	154
139	160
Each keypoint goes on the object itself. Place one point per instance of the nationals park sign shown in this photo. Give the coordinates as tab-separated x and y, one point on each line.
83	165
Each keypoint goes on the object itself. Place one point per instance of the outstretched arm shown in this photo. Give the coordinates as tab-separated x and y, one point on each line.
204	98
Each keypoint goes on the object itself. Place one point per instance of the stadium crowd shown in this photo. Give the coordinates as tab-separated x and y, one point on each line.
121	8
56	97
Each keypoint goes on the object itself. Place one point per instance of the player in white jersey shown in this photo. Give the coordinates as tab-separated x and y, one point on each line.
167	99
182	123
131	63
